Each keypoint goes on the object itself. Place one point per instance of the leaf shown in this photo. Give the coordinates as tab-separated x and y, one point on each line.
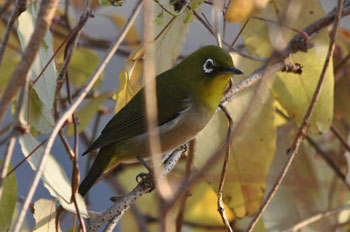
8	201
13	50
129	83
169	45
240	10
88	111
82	65
309	187
202	208
252	149
40	116
293	91
46	85
54	177
45	216
6	69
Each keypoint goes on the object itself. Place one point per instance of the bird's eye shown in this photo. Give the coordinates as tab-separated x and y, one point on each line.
208	66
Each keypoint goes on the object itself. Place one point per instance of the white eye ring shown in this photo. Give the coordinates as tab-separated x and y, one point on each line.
208	66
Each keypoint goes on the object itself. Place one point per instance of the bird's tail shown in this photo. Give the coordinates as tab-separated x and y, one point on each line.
97	170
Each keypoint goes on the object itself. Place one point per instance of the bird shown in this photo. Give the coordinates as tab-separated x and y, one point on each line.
187	97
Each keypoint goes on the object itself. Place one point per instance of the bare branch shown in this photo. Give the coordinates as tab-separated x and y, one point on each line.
183	199
221	207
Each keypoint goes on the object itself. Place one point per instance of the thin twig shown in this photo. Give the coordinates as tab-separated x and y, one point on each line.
302	131
339	136
45	16
69	112
316	218
239	33
221	207
188	170
19	7
322	153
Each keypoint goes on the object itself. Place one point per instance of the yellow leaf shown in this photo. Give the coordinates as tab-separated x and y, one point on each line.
202	208
129	82
241	10
293	91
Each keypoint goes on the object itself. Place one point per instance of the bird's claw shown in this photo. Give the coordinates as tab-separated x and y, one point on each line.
146	179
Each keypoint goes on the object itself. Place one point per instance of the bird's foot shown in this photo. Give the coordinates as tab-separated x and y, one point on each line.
146	179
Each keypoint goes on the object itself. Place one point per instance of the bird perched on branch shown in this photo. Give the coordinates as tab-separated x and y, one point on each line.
188	96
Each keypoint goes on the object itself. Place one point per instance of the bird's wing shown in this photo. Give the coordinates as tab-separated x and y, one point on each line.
130	121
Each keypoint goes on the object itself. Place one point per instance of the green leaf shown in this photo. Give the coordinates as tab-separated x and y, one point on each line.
54	177
88	112
46	85
45	216
83	64
6	69
8	201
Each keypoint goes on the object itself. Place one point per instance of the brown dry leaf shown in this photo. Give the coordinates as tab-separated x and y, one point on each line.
241	10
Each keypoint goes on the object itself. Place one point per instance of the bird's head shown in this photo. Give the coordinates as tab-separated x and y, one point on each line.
207	72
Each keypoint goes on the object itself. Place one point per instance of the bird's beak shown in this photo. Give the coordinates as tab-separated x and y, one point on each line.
231	70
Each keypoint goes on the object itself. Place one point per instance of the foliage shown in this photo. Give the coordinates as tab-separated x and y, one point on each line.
266	116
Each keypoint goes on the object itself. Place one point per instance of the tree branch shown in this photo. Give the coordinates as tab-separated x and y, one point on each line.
123	204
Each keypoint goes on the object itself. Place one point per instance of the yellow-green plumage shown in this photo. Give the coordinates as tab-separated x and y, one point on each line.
187	96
